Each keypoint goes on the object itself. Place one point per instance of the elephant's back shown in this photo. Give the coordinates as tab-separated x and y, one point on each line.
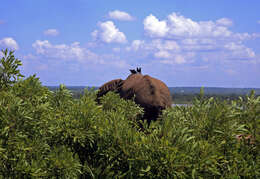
130	85
153	92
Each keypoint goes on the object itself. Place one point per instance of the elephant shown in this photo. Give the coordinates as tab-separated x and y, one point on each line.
150	93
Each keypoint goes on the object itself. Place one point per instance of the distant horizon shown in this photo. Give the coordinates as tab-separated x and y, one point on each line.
168	86
181	42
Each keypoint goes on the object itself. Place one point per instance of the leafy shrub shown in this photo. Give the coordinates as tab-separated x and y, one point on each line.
9	72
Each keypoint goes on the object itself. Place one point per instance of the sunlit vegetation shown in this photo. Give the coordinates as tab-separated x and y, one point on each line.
50	134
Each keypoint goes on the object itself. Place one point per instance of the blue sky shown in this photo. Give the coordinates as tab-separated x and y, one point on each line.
182	42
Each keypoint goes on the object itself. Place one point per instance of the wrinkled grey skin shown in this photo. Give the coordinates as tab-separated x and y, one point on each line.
150	93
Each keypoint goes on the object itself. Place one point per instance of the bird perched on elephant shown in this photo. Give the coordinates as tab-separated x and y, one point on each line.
148	92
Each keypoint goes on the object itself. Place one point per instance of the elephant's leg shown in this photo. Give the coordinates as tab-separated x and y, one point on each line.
151	114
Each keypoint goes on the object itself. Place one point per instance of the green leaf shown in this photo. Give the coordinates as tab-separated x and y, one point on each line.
148	168
193	173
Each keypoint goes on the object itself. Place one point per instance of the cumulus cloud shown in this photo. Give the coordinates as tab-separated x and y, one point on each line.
224	22
178	39
64	52
178	26
166	51
51	32
154	45
255	35
136	45
108	33
176	59
179	59
9	42
190	50
170	45
155	27
116	49
120	15
239	51
162	54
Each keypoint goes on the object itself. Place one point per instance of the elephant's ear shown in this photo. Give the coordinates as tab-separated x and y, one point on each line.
133	71
119	85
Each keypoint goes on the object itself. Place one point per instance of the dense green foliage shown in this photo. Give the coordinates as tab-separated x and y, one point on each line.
46	134
9	71
179	98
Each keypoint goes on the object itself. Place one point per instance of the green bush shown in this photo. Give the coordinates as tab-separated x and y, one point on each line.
45	134
9	72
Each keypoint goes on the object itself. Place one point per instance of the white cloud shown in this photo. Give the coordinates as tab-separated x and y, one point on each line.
64	52
116	49
74	56
120	15
108	33
162	54
9	42
165	51
179	59
198	44
154	45
181	26
255	35
190	50
175	59
51	32
190	41
158	48
178	39
166	45
94	34
136	45
239	51
154	27
185	27
177	26
224	22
